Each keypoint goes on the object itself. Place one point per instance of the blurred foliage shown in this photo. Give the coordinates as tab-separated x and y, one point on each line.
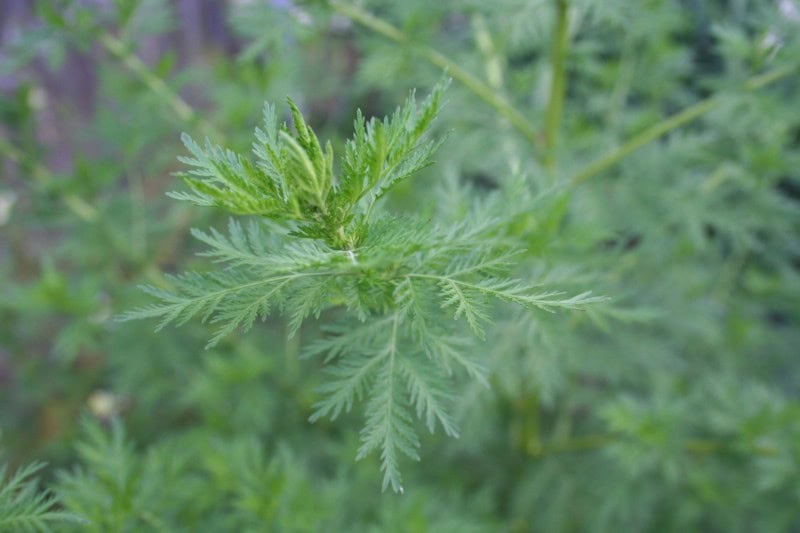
657	144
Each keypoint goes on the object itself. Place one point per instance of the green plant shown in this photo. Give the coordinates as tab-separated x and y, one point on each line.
328	246
646	150
24	506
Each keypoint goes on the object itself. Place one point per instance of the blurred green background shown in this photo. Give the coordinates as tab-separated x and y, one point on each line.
660	140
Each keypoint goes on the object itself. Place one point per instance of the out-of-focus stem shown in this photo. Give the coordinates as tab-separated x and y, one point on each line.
157	85
481	89
558	83
675	121
693	446
41	175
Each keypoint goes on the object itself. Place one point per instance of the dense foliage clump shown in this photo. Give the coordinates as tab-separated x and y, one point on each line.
328	248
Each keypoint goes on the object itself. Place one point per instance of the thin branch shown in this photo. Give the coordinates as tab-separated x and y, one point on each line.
558	83
44	177
677	120
157	85
481	89
693	446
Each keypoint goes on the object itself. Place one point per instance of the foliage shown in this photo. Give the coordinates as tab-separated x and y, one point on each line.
393	274
647	151
23	506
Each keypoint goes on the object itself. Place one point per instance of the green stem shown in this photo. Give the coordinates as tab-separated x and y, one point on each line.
558	83
650	134
479	88
675	121
157	85
694	446
43	177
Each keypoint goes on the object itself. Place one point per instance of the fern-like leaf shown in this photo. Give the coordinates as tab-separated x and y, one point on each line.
329	247
388	427
429	393
24	507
